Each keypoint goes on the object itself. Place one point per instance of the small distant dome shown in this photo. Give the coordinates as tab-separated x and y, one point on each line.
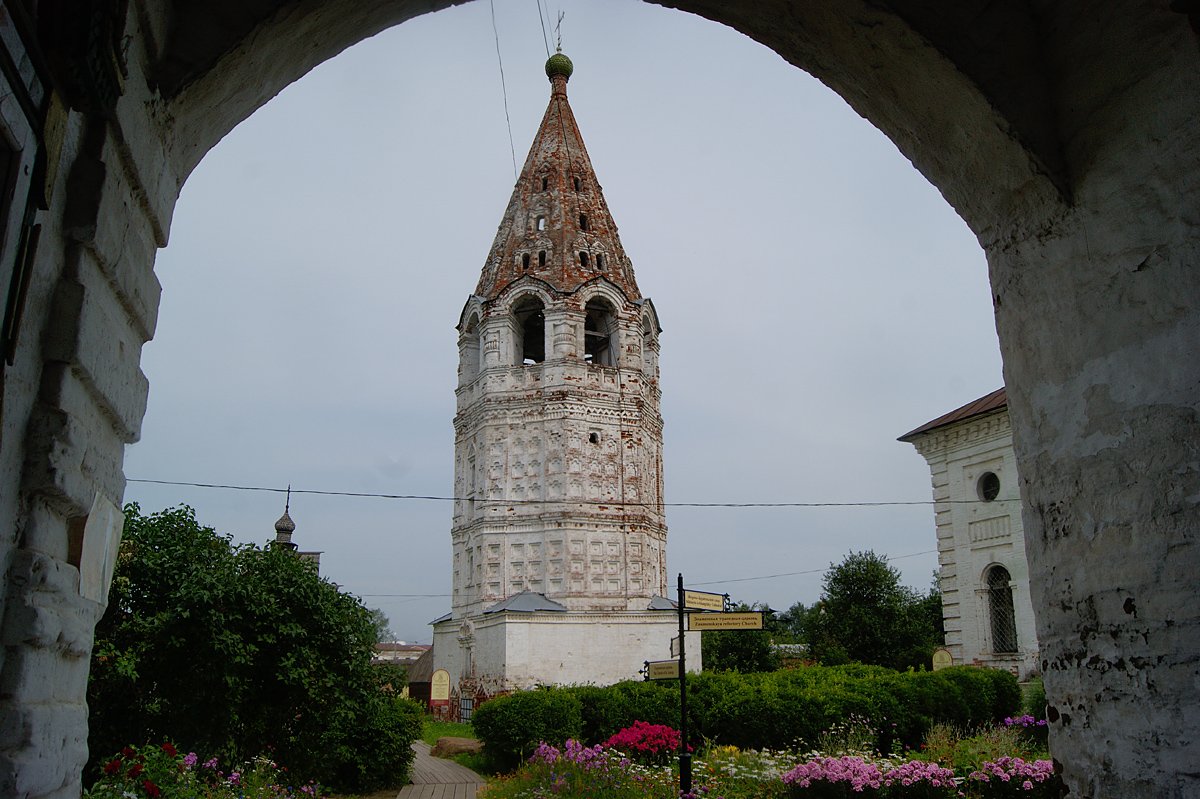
285	524
559	64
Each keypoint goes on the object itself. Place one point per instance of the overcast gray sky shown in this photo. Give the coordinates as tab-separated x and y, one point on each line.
818	298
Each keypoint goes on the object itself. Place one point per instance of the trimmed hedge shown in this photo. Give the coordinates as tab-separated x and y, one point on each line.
511	727
756	711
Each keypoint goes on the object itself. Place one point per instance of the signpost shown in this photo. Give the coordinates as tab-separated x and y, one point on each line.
703	600
698	610
752	620
685	757
662	669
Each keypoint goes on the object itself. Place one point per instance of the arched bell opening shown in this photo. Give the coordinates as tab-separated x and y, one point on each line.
600	333
529	316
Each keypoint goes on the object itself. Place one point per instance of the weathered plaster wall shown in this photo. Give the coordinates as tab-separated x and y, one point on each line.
1100	327
1064	133
73	399
581	442
973	535
512	651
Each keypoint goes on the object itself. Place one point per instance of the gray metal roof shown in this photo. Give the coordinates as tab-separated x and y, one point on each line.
526	602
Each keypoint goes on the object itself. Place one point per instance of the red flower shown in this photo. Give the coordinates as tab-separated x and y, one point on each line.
169	749
136	770
151	789
112	766
128	751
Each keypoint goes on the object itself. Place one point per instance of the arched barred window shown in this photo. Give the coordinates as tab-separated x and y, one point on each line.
1000	608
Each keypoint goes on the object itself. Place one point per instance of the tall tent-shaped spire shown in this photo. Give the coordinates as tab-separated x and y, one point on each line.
557	226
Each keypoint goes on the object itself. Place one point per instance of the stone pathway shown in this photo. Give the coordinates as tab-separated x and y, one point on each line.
435	778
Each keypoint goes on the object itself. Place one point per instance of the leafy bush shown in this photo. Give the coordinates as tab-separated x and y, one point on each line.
656	702
1035	698
239	651
603	711
511	727
769	710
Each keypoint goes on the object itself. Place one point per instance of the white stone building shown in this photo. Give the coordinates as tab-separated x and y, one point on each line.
984	573
559	537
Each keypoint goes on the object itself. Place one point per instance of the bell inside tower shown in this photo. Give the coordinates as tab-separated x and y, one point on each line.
530	317
599	334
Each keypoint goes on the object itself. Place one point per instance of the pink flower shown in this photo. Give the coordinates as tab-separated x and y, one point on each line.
852	771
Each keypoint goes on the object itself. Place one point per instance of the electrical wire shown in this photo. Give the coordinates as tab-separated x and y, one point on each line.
888	558
542	20
504	90
606	503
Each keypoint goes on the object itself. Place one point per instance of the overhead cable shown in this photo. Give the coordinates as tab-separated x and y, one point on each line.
609	503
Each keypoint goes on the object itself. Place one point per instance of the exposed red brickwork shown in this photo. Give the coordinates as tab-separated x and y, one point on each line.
574	217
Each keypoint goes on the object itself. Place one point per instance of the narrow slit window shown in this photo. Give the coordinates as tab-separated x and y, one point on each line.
600	262
583	259
545	183
583	222
541	258
541	223
578	184
525	261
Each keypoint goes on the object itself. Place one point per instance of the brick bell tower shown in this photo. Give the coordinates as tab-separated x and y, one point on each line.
559	537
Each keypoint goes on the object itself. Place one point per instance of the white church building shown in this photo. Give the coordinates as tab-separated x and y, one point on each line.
983	571
559	536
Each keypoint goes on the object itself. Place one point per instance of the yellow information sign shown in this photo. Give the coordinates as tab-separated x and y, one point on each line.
703	600
439	686
663	670
726	621
942	658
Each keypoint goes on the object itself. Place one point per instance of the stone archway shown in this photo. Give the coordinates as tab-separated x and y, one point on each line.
1064	134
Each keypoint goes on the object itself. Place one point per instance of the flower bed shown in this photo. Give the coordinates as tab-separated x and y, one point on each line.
725	772
162	772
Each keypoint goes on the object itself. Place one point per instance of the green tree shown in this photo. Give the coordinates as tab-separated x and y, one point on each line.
793	622
237	651
745	651
383	629
865	615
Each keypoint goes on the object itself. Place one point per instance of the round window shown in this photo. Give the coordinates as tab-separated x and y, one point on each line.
988	486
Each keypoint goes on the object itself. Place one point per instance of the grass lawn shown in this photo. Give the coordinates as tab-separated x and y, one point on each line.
432	730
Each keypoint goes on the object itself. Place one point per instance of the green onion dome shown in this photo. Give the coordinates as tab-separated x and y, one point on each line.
559	64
